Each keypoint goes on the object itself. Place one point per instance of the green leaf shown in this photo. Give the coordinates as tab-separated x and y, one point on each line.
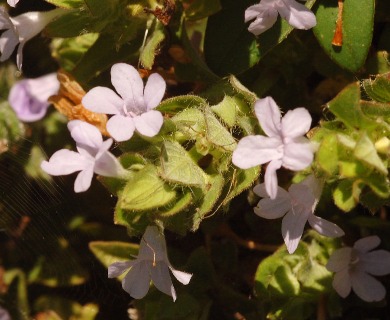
191	123
145	191
152	46
11	130
378	89
178	167
346	194
97	60
346	106
208	199
375	109
366	152
67	4
181	203
108	252
73	24
357	28
180	103
241	180
101	7
200	9
226	110
16	299
230	48
217	134
327	155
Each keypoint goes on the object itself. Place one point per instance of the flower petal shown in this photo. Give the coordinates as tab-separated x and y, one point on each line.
273	208
103	100
292	228
263	22
149	123
162	279
339	259
153	245
83	180
366	244
128	83
108	166
253	11
154	91
8	42
325	227
120	128
342	283
117	268
376	262
271	179
86	135
181	276
296	123
12	3
137	281
297	15
367	287
64	162
19	55
298	155
268	114
252	151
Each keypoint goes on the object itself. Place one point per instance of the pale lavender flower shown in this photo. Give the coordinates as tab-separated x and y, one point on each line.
4	315
151	264
133	110
28	97
92	156
266	12
297	206
20	29
355	266
285	145
12	3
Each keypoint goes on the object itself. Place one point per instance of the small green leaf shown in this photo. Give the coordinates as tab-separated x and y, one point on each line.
180	103
67	4
346	106
145	191
375	109
208	199
346	195
200	9
226	110
357	29
242	180
11	130
151	48
181	203
327	155
191	123
378	89
16	299
217	134
108	252
366	152
178	167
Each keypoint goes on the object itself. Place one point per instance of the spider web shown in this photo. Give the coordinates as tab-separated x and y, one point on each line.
45	229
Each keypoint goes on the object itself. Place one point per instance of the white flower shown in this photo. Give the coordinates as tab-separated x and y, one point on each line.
151	264
20	29
12	3
354	267
285	145
134	109
28	97
266	12
297	206
92	156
